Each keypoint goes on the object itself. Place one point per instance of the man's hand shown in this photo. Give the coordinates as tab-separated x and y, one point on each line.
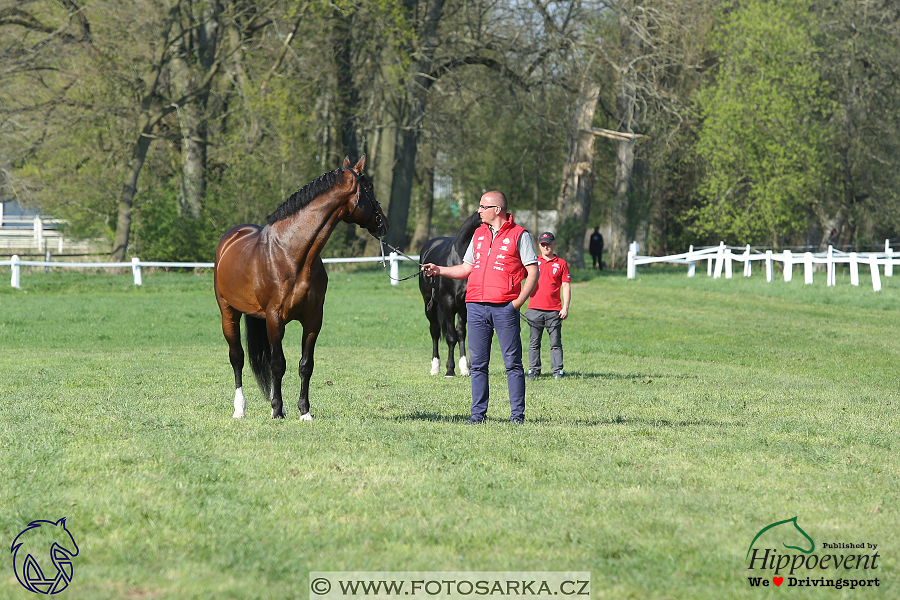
431	269
563	313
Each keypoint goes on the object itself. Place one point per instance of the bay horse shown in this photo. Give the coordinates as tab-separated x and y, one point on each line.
445	298
273	275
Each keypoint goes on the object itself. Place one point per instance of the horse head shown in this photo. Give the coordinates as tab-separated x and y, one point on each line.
366	211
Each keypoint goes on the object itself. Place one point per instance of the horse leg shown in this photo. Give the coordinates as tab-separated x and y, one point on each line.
435	329
231	327
450	333
461	340
275	331
307	361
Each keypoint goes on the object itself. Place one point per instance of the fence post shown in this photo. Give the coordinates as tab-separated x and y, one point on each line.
47	257
14	267
807	267
709	265
876	278
788	265
889	265
720	255
769	266
38	232
829	270
747	269
692	264
632	269
728	264
136	270
854	269
395	269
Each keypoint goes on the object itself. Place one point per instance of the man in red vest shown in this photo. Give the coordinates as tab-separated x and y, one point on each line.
548	307
500	256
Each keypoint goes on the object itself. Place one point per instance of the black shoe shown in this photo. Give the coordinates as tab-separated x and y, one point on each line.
559	375
517	420
474	421
531	375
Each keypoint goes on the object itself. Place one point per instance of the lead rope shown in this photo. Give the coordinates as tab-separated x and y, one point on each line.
400	252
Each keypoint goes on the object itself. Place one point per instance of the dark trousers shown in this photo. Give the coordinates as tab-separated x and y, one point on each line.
597	260
482	320
539	320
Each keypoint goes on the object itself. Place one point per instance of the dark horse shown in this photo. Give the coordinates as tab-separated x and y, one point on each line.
445	299
274	275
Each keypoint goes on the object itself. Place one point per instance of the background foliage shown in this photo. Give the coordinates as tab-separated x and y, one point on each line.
161	124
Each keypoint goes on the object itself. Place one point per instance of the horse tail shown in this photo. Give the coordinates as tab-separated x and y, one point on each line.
260	353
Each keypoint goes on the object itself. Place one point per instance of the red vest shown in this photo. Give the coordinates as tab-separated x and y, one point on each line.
498	272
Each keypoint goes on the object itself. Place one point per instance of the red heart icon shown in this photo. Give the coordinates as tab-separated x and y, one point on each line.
778	580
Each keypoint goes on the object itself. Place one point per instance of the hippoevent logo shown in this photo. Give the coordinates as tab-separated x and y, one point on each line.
769	556
42	556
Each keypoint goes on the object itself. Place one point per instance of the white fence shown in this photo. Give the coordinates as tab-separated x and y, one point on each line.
136	264
721	258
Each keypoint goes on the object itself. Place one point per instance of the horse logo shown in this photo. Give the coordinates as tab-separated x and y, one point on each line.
42	547
784	534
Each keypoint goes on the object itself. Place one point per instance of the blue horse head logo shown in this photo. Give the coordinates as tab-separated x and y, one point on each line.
42	556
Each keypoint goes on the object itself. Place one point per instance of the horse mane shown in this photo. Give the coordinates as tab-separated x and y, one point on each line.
302	197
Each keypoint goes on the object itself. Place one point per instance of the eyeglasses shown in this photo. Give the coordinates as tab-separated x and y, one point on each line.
483	207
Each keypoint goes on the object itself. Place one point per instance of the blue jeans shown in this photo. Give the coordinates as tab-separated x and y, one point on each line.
483	319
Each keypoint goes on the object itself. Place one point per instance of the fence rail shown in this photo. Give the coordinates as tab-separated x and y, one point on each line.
136	264
721	258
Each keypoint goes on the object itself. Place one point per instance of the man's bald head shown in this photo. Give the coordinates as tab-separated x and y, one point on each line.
495	197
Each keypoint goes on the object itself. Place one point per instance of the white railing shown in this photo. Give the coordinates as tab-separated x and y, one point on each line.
722	257
136	264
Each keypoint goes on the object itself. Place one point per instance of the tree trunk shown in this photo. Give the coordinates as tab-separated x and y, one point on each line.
401	190
624	168
126	199
384	177
574	201
423	223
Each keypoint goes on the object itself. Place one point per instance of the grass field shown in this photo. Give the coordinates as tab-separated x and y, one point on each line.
696	413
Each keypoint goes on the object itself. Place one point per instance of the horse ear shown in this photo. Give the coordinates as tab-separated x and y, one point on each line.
346	162
360	165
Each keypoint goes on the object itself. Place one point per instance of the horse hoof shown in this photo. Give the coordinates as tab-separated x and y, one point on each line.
281	416
449	376
306	417
237	415
435	366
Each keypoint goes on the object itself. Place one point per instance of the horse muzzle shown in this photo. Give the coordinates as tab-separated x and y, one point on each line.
380	227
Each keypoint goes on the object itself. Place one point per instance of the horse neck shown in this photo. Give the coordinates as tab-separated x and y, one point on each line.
464	235
304	234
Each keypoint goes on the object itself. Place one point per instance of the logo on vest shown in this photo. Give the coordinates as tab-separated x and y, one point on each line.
506	240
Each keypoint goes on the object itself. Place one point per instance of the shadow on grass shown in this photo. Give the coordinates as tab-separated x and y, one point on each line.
618	420
619	376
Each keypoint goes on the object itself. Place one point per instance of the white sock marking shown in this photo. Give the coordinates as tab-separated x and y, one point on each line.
435	366
463	366
240	404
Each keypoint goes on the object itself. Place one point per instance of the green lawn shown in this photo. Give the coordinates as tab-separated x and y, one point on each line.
697	412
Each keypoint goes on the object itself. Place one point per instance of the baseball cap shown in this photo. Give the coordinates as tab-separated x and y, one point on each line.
546	237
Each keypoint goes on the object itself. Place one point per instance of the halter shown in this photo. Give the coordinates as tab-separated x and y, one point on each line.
373	204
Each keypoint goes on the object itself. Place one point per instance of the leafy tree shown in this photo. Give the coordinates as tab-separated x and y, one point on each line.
765	139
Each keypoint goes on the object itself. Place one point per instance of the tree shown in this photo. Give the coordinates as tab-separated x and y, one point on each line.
765	137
